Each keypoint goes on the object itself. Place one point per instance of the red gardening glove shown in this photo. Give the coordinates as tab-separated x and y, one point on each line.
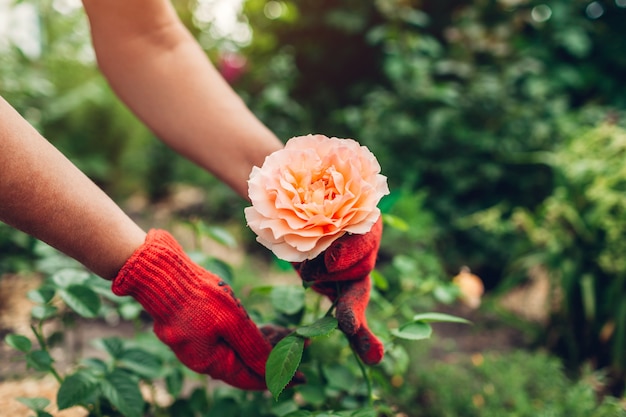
342	271
196	313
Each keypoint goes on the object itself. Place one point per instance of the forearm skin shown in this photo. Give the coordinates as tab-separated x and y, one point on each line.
43	194
161	73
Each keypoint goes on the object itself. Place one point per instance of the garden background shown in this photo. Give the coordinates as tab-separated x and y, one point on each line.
500	126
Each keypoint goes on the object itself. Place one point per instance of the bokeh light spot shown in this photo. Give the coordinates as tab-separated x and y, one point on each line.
273	9
541	13
594	10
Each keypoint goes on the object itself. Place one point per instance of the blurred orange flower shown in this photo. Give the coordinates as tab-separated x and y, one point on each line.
471	287
312	192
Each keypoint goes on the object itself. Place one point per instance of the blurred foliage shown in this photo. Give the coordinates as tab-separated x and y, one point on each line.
445	93
60	91
452	96
17	250
327	62
577	234
520	383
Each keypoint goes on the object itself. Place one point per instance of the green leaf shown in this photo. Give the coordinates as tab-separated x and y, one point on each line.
198	400
130	310
174	382
263	290
321	327
41	295
339	377
83	300
446	294
288	299
365	412
220	235
588	297
76	389
19	342
313	394
40	360
140	362
114	346
35	403
180	407
44	312
219	268
395	222
70	276
122	391
284	407
282	363
281	264
102	287
439	318
96	365
413	331
379	280
55	338
299	413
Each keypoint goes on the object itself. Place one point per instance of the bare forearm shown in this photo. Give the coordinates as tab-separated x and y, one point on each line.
161	73
43	194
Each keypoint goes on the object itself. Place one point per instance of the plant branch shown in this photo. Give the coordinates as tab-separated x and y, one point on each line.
366	376
44	346
331	308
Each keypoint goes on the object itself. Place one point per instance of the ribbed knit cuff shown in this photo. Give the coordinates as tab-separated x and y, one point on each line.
159	275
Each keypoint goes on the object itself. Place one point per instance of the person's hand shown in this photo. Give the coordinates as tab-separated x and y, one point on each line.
341	272
196	313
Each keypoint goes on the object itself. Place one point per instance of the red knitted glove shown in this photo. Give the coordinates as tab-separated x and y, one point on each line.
195	313
343	271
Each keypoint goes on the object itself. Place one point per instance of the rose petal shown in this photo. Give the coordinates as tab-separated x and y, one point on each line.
311	192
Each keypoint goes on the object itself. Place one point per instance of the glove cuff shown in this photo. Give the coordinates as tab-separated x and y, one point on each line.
159	275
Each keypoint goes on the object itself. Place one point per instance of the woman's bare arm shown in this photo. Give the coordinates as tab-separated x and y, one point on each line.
43	194
161	73
158	69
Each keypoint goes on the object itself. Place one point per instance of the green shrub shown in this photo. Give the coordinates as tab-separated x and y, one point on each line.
520	384
447	94
577	235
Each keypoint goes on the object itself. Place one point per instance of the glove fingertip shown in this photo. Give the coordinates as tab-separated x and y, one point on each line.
369	348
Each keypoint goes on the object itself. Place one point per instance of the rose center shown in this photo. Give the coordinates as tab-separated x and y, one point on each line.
316	189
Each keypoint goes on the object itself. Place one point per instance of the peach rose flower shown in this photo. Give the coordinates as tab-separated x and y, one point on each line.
312	192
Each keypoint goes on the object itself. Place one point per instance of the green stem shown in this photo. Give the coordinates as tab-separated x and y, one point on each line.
331	308
39	335
198	236
366	376
96	409
56	374
44	346
368	381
